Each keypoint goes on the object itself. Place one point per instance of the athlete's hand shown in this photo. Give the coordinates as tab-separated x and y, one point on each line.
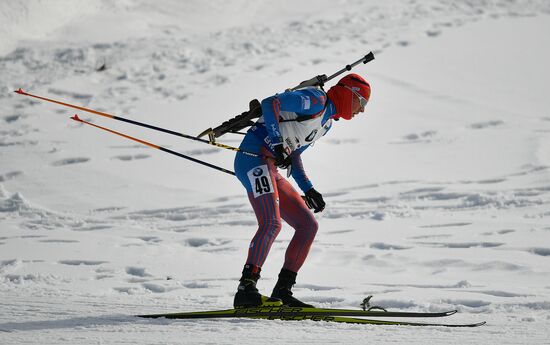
314	200
282	159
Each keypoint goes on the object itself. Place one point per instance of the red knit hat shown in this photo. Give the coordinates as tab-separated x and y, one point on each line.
342	94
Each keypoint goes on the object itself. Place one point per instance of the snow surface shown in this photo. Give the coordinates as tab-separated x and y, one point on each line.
437	199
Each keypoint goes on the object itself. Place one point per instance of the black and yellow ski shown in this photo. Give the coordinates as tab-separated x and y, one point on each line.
284	311
355	320
315	314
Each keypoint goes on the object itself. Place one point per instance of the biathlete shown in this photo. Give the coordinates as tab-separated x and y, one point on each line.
289	124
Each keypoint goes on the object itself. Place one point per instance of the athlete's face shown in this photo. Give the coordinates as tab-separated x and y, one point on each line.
357	106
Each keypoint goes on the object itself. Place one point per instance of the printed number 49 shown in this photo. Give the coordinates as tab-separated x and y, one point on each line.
262	185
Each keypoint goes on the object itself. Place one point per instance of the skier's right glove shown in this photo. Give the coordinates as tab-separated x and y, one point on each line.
282	159
314	200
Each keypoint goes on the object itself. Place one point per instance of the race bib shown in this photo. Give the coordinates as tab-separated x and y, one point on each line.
260	180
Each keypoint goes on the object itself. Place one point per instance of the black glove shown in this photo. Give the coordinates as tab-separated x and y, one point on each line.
282	159
314	200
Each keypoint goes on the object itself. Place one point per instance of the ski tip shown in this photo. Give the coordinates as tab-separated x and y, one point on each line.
471	324
20	91
451	312
152	316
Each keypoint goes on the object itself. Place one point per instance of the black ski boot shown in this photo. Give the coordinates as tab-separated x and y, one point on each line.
247	294
282	290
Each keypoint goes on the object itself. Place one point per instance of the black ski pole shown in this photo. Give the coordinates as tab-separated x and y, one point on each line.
118	118
76	118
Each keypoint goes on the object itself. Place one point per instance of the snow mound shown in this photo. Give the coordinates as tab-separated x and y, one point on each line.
15	203
32	19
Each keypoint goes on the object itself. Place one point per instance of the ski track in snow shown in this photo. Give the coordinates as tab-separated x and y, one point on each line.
77	277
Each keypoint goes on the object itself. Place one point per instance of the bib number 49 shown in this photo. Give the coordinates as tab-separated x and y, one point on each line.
263	185
260	180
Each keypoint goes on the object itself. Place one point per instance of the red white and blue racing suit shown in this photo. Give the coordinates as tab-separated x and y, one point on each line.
296	119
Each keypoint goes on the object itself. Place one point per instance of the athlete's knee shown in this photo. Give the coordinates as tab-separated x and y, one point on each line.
308	229
311	222
313	226
273	226
270	226
306	225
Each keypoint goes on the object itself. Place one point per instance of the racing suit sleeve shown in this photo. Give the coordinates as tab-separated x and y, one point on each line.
298	171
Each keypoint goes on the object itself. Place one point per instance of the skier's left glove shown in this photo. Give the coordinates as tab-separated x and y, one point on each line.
314	200
282	159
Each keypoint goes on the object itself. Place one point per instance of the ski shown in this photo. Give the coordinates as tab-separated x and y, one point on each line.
316	314
283	311
353	320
